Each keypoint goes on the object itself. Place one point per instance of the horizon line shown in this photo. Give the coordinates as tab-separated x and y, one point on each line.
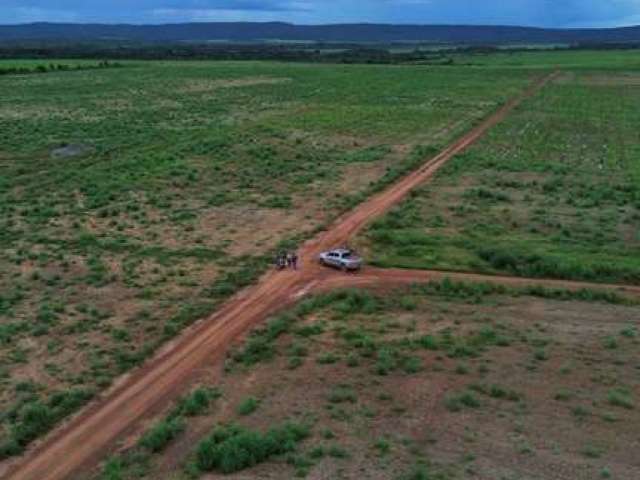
330	24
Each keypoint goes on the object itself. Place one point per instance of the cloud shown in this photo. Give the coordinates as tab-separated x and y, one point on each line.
231	10
549	13
36	14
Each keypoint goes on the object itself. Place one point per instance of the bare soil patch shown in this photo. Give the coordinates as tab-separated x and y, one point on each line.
203	86
539	404
72	150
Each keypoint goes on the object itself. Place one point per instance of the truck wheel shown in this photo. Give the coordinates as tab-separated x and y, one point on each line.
343	267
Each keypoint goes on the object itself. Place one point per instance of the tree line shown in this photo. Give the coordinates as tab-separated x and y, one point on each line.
55	67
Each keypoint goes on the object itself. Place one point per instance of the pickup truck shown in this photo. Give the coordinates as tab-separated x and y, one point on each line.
341	258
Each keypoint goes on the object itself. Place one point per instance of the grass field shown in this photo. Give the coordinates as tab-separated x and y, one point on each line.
444	381
588	60
134	200
552	192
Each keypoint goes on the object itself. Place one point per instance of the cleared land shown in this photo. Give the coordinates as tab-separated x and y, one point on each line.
444	381
135	200
554	192
283	434
88	434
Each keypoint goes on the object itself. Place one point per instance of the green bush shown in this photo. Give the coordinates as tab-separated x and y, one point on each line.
336	451
197	402
35	418
386	361
429	342
248	406
621	397
342	394
113	469
456	402
259	347
159	436
232	448
528	264
412	364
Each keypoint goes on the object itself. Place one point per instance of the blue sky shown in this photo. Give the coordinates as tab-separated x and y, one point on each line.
548	13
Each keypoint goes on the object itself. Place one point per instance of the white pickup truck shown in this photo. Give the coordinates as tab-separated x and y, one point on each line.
341	258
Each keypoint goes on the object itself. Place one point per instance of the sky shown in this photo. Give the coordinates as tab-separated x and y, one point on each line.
542	13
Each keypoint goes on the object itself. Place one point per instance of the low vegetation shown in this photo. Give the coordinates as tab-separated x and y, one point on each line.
231	448
552	192
135	462
430	381
130	211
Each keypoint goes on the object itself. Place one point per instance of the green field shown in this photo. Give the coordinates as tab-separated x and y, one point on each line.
573	60
554	191
134	200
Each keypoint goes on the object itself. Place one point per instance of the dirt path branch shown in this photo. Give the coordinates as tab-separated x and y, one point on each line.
382	277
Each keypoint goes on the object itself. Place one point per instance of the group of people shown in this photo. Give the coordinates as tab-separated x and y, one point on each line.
287	260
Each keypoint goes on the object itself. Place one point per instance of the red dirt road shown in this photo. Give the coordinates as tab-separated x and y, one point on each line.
382	277
86	437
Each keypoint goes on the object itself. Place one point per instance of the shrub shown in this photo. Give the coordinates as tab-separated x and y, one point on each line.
341	394
621	397
485	194
310	330
408	303
35	418
317	452
248	406
591	451
9	448
563	395
197	402
386	361
629	332
113	469
610	343
233	448
420	472
259	346
336	451
496	391
159	436
428	342
456	402
412	364
328	358
383	446
541	355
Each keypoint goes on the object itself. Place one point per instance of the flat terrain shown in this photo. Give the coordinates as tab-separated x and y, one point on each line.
443	381
134	200
86	437
156	191
554	192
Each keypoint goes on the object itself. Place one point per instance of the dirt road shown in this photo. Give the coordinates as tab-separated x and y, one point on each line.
382	277
85	438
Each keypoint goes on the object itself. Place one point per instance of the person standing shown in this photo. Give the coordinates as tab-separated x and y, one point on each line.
294	260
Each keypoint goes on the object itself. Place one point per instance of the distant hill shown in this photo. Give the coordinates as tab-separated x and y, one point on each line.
251	32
